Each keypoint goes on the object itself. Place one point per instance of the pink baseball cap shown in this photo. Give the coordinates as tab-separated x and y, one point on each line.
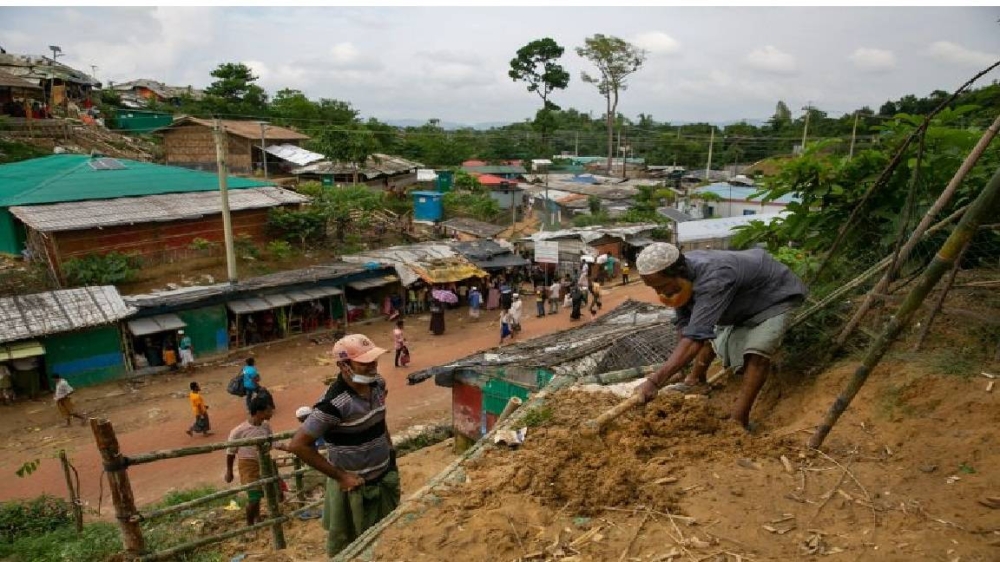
356	347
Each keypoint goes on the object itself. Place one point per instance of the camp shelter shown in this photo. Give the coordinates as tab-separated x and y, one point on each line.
224	316
490	255
430	262
70	332
70	205
634	334
470	229
715	234
574	243
189	142
381	171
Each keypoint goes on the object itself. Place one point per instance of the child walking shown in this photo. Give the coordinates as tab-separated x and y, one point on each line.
506	323
63	401
201	424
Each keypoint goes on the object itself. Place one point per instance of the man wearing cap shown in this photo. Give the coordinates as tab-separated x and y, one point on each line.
363	482
740	302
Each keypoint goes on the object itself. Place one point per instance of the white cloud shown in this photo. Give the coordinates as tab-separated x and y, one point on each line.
657	43
344	54
952	53
873	60
771	59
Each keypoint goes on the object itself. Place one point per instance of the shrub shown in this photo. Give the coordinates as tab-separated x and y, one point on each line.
37	516
245	247
279	249
101	269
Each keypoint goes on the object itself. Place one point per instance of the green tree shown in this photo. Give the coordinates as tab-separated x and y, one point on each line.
234	91
536	64
354	145
615	60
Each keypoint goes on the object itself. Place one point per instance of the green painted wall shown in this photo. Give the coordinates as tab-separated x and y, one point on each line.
86	357
207	328
11	234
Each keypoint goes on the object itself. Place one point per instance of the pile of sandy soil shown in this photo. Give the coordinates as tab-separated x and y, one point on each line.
676	481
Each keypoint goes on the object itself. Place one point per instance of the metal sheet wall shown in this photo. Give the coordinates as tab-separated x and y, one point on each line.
208	329
86	357
467	410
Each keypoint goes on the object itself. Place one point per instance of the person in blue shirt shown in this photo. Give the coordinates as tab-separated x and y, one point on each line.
251	380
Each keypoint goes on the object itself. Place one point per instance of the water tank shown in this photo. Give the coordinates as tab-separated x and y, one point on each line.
427	206
445	180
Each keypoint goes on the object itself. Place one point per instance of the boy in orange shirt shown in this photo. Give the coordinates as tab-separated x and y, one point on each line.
200	409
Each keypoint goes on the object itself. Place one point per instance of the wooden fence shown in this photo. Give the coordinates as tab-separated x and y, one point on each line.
116	466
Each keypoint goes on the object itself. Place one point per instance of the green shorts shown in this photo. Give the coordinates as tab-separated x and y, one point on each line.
254	496
732	343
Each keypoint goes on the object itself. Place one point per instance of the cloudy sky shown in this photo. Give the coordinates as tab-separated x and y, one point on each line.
393	63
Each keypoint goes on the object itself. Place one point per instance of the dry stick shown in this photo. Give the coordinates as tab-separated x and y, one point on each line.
829	496
516	536
915	237
940	301
638	530
984	206
868	496
891	168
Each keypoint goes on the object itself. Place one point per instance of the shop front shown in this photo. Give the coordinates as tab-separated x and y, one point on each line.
274	316
151	343
379	297
25	361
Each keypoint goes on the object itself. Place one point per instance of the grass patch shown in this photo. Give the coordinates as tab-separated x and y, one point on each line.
537	417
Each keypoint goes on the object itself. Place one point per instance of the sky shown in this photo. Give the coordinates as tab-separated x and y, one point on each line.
714	64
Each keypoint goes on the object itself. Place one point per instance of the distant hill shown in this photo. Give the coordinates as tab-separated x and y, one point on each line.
446	125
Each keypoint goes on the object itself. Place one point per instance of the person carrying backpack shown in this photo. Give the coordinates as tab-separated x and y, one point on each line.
251	380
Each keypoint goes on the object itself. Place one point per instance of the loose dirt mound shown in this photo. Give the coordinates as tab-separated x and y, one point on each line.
675	481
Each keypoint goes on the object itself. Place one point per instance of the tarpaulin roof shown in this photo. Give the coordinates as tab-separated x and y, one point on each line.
294	154
431	262
40	314
72	177
79	215
155	324
276	300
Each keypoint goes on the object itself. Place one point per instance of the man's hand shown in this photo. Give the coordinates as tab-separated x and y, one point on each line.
229	476
350	481
647	390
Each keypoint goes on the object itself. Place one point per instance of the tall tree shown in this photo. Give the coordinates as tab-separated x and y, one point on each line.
536	64
353	145
615	60
234	91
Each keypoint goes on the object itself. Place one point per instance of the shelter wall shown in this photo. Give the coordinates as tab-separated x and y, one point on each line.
159	242
85	357
192	146
208	329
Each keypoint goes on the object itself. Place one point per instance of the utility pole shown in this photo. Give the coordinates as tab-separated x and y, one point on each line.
263	147
805	127
576	145
221	151
854	133
711	141
678	146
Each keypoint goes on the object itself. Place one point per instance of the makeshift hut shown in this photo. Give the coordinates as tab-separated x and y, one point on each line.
190	143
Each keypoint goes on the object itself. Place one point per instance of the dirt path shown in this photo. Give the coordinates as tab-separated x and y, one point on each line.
154	416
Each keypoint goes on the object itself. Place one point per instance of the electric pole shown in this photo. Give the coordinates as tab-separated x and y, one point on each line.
227	221
708	166
854	133
805	127
263	147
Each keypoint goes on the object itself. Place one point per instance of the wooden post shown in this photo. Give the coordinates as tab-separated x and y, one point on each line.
300	494
983	207
271	493
121	490
73	498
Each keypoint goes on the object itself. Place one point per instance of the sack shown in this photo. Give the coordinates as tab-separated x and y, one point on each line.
235	386
404	357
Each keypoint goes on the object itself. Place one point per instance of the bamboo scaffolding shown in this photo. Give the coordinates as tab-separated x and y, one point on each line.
904	253
926	328
985	206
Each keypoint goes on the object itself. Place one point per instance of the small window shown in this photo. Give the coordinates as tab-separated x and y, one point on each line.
749	212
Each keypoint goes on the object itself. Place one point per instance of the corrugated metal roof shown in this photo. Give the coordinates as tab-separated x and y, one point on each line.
472	226
432	262
294	154
710	229
40	314
674	214
377	165
69	177
80	215
8	80
424	174
155	324
372	283
742	193
40	67
245	129
590	233
498	170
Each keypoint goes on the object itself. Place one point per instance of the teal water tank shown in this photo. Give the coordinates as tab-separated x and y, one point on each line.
427	205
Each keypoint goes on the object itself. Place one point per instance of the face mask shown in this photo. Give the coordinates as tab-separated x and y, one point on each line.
363	379
680	298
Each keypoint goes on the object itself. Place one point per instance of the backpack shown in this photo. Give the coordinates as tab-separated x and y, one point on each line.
235	386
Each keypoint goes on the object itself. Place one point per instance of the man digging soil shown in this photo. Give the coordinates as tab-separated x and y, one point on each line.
738	302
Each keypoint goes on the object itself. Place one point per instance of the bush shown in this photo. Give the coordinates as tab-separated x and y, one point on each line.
101	269
279	249
37	516
245	247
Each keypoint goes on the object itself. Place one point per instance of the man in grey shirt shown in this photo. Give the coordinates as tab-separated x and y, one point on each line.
740	302
363	482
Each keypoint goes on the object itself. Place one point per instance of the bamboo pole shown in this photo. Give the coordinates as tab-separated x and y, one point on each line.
202	449
985	206
271	493
121	489
73	493
300	494
917	235
926	328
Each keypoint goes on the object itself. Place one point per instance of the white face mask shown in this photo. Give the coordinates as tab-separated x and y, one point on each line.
363	379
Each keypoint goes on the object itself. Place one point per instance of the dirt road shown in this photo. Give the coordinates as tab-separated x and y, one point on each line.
155	415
